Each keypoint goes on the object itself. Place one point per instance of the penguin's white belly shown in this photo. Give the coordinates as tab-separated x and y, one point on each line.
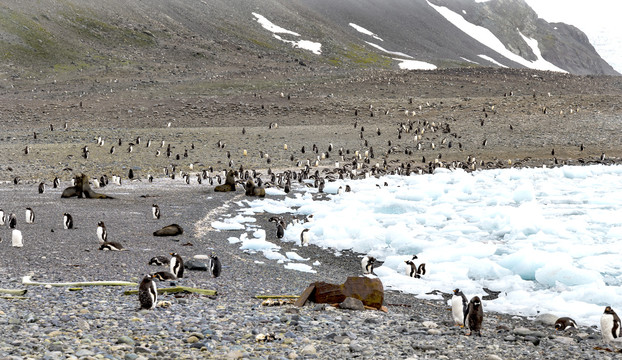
456	310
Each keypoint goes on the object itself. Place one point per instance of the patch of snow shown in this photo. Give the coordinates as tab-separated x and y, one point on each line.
485	57
387	51
414	65
362	30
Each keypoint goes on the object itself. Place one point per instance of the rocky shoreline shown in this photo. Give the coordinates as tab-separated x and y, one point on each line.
102	323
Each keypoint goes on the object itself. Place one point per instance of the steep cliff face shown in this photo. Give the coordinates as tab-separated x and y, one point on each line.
87	35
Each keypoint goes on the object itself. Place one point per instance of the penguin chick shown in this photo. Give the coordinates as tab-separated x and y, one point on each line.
147	293
610	326
177	265
474	316
215	266
159	260
459	306
565	323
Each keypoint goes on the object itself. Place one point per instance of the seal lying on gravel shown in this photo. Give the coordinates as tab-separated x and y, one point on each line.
169	230
82	188
254	190
229	184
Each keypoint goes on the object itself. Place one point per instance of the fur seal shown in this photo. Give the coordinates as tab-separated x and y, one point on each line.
82	189
229	184
474	316
147	293
254	190
169	230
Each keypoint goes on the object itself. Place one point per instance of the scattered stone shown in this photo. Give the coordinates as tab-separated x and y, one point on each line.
352	304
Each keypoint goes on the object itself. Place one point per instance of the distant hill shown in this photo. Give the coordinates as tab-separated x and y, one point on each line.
217	36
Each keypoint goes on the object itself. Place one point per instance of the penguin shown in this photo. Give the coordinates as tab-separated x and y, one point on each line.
2	218
147	293
215	266
565	323
56	182
159	260
16	238
155	211
610	326
459	306
304	237
12	222
111	245
102	234
41	187
367	263
414	271
177	265
164	276
280	232
474	316
30	216
67	221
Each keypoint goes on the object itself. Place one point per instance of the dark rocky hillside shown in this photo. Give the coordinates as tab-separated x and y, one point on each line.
148	39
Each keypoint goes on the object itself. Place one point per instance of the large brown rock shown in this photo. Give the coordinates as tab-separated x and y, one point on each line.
369	291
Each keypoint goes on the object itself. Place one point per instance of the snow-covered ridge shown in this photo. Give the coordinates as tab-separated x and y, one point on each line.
314	47
486	37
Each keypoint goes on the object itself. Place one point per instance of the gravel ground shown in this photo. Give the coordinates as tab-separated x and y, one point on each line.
102	323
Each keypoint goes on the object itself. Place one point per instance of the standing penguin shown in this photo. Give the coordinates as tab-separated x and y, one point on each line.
413	270
177	265
610	326
2	218
16	238
474	316
67	221
155	211
280	232
215	266
56	182
459	306
147	293
12	222
102	234
367	263
30	216
304	237
41	187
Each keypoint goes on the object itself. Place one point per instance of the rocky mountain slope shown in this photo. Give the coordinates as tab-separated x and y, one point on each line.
85	37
